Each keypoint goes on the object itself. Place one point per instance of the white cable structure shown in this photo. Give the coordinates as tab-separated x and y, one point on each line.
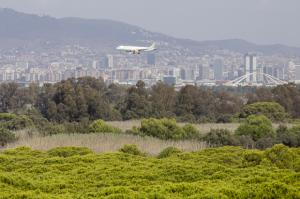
268	80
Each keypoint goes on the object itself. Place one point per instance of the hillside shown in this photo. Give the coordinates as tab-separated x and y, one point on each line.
33	31
228	172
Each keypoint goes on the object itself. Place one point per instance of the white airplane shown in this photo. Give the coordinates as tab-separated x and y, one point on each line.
136	49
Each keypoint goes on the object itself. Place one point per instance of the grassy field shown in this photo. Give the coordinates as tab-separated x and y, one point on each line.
203	128
102	142
228	172
112	142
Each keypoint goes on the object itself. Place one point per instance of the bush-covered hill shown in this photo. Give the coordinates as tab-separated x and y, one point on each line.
228	172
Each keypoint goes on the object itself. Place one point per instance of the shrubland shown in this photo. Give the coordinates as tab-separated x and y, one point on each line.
228	172
165	129
100	126
256	131
84	105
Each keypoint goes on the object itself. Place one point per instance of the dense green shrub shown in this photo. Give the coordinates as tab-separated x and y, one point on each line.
190	131
6	136
161	128
227	172
69	151
7	116
246	141
294	136
265	142
99	126
167	152
131	149
167	129
281	156
221	137
224	118
272	110
289	137
15	122
256	126
252	158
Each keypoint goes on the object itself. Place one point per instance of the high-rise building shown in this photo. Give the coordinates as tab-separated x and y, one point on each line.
187	73
279	73
110	61
104	62
151	59
260	76
269	70
218	69
175	72
203	72
94	65
250	67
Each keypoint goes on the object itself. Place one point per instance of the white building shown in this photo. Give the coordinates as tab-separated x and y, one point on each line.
251	67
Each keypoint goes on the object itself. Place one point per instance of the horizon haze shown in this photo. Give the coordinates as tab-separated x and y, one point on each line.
258	21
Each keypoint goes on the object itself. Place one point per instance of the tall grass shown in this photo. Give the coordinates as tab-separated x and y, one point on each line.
203	128
112	142
104	142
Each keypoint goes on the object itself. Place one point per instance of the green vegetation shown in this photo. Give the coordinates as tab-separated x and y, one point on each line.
272	110
169	151
99	126
221	137
256	127
82	105
289	137
12	121
166	129
6	136
89	99
69	151
131	149
228	172
255	132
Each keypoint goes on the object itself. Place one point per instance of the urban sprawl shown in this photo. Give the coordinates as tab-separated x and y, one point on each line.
172	67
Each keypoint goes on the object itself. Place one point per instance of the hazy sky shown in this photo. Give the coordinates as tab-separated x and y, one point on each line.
260	21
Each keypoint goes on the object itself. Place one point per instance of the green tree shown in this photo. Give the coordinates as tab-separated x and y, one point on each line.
136	104
196	102
9	99
163	99
6	136
75	100
289	137
289	97
261	94
256	126
166	129
221	137
272	110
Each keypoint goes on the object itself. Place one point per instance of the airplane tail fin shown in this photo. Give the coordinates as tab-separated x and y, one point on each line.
152	46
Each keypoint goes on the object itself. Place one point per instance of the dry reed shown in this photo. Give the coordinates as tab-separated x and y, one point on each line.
104	142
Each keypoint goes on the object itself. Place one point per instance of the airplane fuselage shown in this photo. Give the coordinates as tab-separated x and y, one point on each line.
136	49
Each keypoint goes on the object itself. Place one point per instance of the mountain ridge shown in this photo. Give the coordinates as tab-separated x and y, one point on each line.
21	29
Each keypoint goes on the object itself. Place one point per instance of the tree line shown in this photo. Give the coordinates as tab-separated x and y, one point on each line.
88	99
